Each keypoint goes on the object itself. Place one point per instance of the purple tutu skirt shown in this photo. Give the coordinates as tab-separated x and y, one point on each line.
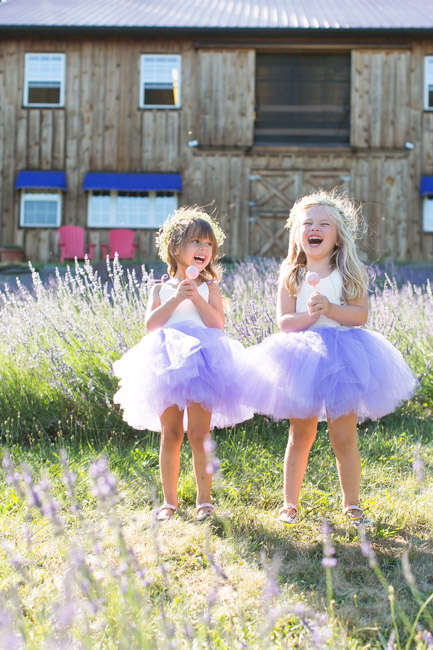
328	373
177	366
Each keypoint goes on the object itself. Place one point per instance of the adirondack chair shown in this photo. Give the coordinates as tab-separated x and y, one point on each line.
122	243
71	242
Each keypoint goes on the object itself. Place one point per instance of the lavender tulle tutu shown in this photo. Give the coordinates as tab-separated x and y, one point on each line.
328	372
179	365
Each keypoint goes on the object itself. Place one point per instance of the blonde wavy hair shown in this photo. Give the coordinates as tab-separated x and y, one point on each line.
350	228
185	224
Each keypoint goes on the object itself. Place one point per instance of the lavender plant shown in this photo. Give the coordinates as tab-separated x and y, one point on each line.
60	340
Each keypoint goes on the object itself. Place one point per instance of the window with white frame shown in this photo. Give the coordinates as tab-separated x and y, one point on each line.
160	81
41	209
428	83
112	209
427	214
44	80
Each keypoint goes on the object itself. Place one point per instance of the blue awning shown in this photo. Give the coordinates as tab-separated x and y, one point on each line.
426	185
41	180
133	182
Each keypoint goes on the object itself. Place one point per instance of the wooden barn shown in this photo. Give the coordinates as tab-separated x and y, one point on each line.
113	112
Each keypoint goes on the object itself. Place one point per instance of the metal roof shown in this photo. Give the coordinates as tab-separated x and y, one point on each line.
219	14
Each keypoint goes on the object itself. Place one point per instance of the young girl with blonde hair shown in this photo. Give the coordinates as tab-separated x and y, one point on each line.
183	374
323	365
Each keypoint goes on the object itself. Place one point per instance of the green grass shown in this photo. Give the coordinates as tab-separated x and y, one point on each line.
244	531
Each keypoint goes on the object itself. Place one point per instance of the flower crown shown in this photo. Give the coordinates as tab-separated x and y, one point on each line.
341	203
184	216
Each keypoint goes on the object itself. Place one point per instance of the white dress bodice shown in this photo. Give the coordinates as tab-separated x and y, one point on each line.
331	287
186	311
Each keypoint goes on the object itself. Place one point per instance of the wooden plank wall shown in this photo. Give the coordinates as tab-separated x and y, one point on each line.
380	99
102	129
225	98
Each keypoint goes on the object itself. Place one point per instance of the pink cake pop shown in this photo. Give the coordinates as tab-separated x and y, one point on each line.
313	279
192	272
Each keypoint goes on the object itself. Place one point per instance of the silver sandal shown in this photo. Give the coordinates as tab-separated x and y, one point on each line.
204	511
287	518
357	521
164	512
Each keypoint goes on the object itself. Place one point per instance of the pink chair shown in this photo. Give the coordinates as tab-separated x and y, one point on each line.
122	243
71	242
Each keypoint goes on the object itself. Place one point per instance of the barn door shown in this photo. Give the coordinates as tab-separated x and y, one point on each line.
272	195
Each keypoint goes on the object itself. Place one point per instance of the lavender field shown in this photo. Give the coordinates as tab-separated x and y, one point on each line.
84	563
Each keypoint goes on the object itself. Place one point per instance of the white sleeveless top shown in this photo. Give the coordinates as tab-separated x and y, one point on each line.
331	287
186	311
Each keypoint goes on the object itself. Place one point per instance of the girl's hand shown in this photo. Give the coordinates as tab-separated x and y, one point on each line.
187	289
318	305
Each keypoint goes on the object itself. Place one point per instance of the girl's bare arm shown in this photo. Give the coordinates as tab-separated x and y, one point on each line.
353	314
287	318
157	314
212	312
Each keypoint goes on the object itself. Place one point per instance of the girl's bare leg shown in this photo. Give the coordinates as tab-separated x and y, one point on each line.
198	432
301	437
169	454
343	437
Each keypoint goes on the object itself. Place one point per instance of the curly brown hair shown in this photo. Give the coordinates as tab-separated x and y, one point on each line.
186	224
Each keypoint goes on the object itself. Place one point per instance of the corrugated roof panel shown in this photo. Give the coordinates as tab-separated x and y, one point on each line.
220	14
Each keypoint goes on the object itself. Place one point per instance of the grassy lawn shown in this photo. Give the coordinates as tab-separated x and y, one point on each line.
83	562
241	580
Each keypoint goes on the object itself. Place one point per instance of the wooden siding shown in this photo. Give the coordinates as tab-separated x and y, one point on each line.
380	99
225	98
250	188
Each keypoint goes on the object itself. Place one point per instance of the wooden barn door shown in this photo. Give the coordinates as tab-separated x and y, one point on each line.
272	195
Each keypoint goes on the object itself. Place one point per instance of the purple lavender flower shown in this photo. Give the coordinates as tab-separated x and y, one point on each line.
9	637
427	637
367	550
6	460
213	463
328	560
391	641
406	568
271	589
64	613
104	482
316	623
418	465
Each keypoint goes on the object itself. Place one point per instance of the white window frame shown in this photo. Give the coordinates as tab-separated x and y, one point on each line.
148	63
428	81
152	220
39	196
427	214
44	76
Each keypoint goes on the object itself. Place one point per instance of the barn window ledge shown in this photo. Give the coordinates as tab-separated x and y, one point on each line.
41	198
322	148
130	200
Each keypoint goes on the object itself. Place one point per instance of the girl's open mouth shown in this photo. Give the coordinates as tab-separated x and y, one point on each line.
200	259
315	240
